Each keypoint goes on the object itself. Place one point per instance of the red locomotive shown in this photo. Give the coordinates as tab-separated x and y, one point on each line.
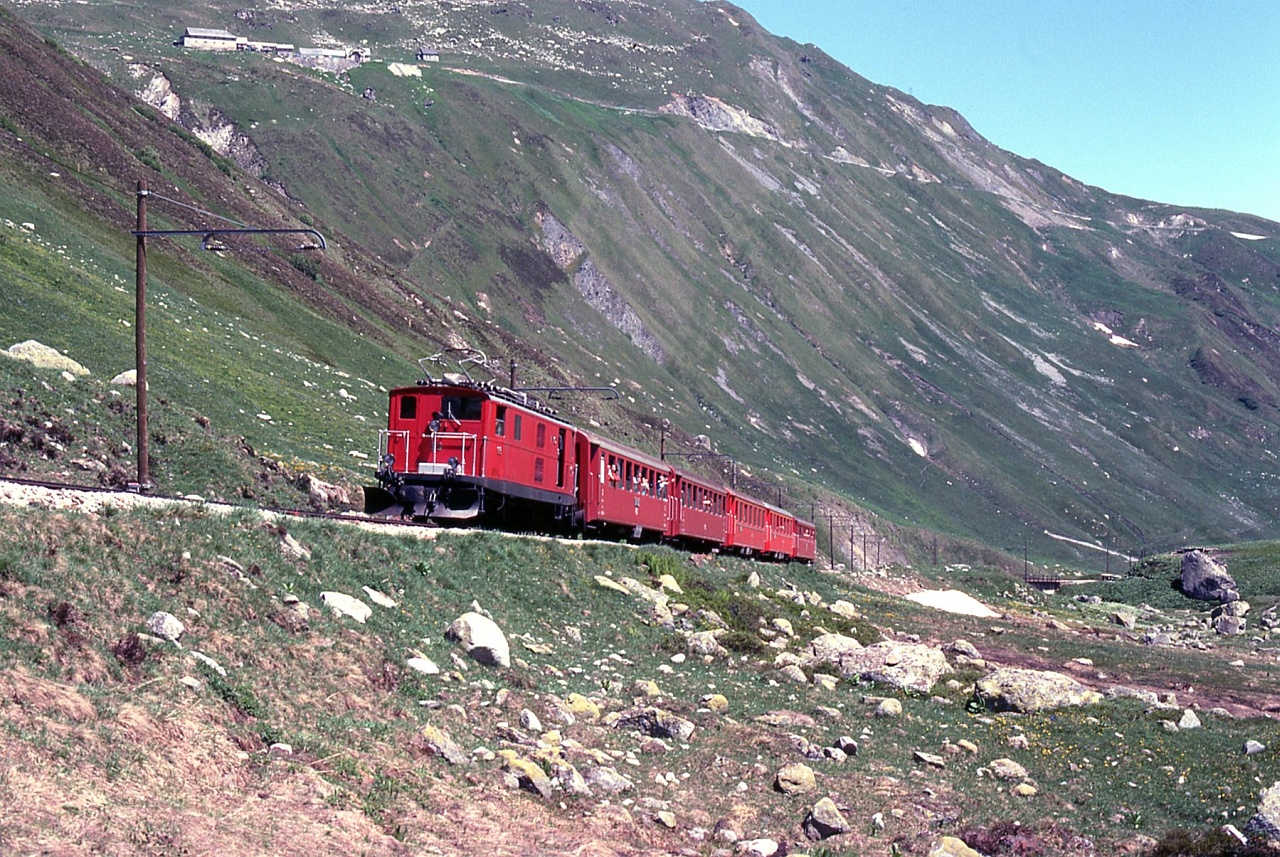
460	450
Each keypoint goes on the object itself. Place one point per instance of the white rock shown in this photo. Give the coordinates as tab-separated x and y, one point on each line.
378	598
1189	720
345	605
166	626
481	638
426	666
758	847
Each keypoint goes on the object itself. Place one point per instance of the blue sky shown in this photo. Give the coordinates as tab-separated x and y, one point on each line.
1176	101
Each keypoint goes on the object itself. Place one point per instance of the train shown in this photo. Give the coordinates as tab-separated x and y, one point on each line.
457	450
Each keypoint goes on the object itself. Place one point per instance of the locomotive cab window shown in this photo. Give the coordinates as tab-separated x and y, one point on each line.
459	408
542	435
500	421
408	407
516	427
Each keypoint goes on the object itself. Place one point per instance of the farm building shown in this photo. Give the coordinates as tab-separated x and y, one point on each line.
210	40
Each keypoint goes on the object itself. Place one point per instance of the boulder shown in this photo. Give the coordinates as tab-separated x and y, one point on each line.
440	744
908	666
42	356
949	846
166	626
824	820
1026	691
345	605
1007	769
1205	579
324	493
607	780
704	643
1266	821
829	648
654	722
795	779
481	638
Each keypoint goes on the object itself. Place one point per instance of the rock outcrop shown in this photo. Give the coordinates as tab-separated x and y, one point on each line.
1026	691
1205	579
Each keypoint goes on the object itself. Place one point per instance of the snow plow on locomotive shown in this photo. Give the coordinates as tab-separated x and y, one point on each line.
461	451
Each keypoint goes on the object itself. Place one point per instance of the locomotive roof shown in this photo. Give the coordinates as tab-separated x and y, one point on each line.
486	388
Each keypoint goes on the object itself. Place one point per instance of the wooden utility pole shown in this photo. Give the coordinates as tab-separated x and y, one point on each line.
140	338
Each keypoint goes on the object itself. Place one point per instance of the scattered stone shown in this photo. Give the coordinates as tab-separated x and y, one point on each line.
1205	579
844	609
127	378
1120	691
789	719
1007	769
291	548
758	847
1025	691
1253	748
931	759
423	665
795	779
582	708
753	580
1025	790
950	846
666	818
378	598
1124	619
610	583
968	746
889	708
827	712
345	605
440	744
607	780
1230	626
530	721
705	643
784	627
825	820
530	776
847	744
824	681
1018	742
793	674
668	583
964	647
1189	720
481	638
166	626
653	722
195	684
715	702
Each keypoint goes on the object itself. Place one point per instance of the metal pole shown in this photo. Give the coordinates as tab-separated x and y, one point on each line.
140	339
513	373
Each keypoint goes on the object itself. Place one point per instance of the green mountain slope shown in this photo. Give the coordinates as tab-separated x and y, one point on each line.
840	285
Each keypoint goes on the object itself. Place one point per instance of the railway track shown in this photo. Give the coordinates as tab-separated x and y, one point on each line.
17	491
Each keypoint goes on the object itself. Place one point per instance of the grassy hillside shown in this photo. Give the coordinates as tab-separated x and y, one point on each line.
319	735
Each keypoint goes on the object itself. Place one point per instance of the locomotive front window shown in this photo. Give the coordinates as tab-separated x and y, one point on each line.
408	407
460	408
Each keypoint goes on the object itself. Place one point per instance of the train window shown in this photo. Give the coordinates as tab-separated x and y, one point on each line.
628	477
537	470
500	424
542	435
458	408
515	429
408	407
613	471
